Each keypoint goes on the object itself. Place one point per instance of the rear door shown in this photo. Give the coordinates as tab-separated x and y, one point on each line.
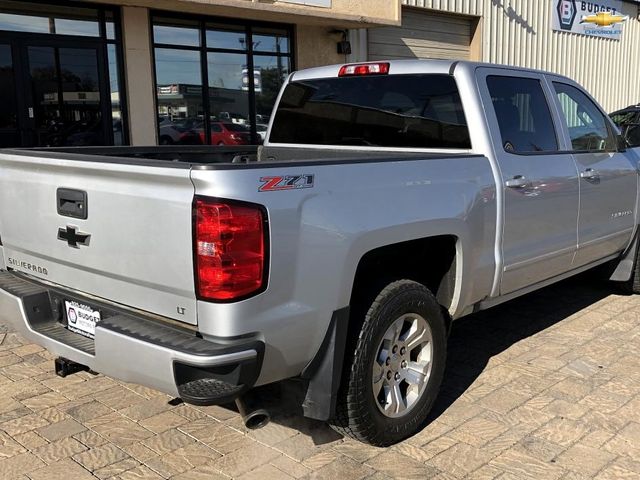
608	177
122	232
540	183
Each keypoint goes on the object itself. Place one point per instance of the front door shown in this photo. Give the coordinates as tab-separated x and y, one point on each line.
539	182
9	126
65	96
608	177
53	94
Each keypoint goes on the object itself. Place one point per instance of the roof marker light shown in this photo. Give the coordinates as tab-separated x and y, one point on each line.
364	69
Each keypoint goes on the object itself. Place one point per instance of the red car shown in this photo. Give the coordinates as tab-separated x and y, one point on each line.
226	133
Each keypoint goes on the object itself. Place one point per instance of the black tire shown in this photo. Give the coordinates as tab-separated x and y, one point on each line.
357	414
166	140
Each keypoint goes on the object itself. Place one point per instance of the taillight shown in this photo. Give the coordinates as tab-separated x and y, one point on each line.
364	69
229	249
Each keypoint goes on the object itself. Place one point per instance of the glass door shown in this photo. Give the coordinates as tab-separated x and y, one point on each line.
66	104
9	132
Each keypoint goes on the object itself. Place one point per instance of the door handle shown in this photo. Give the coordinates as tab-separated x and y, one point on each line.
518	181
590	174
72	203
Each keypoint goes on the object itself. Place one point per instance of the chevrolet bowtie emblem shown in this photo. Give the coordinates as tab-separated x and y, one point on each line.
73	237
604	19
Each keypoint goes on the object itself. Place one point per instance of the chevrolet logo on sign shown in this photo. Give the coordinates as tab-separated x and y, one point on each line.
604	19
596	18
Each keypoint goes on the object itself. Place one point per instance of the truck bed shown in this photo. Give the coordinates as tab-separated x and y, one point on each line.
216	157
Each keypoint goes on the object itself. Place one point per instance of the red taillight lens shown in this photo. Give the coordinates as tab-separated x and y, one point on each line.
364	69
229	249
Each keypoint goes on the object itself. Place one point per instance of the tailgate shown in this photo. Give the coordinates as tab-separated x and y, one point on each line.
133	248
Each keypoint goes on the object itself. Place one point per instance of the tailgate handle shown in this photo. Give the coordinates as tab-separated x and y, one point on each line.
72	203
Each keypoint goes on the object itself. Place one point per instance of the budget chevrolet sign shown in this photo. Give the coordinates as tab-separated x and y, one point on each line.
599	19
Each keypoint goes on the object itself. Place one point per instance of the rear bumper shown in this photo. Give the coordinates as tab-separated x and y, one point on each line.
133	347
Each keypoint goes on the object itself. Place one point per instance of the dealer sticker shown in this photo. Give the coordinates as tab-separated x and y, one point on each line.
81	318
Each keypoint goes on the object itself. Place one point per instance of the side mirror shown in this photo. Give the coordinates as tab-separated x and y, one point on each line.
632	135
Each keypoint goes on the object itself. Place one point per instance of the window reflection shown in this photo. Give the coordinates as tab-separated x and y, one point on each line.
85	28
7	92
276	42
24	23
41	18
227	117
180	109
228	98
176	35
226	38
116	106
271	72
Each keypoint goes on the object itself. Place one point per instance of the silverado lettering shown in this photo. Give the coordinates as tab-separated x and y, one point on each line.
27	266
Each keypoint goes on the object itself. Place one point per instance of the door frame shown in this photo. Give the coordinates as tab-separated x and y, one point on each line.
106	15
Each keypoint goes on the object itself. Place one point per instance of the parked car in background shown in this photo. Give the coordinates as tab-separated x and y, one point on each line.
177	133
226	133
628	119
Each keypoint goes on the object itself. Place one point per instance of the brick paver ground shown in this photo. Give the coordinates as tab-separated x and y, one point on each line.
545	387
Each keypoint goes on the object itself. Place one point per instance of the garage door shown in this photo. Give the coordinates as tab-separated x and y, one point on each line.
423	34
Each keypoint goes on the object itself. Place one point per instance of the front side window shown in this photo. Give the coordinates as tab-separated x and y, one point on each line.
523	114
587	125
401	111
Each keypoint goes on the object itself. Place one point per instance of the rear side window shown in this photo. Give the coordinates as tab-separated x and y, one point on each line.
587	125
412	111
523	114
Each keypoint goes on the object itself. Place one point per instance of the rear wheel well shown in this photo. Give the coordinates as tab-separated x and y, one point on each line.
430	261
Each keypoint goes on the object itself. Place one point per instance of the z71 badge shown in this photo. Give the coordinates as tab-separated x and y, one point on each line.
285	182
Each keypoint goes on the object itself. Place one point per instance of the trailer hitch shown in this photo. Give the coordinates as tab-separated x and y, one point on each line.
65	367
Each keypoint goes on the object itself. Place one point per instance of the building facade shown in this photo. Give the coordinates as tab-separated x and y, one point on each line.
145	72
525	33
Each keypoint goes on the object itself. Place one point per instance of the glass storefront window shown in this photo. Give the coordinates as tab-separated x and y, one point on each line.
42	18
271	72
63	61
7	89
110	26
85	28
272	41
226	38
24	23
116	105
228	98
171	34
225	116
179	94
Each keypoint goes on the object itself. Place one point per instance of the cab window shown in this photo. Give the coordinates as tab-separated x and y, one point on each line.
587	125
523	114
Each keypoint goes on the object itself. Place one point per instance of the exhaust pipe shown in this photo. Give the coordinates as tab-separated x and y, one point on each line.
253	418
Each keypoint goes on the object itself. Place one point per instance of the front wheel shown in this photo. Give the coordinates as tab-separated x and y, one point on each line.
391	382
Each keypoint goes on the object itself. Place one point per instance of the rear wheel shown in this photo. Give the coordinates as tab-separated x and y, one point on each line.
393	378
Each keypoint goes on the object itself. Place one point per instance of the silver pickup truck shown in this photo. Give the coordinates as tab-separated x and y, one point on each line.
389	199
